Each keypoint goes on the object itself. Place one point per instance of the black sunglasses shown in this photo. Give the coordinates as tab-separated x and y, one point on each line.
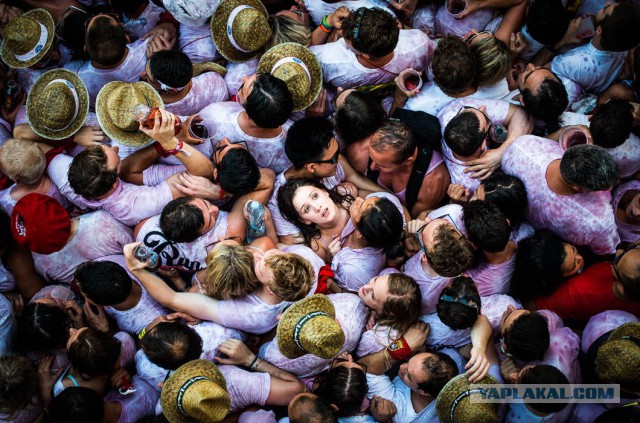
333	160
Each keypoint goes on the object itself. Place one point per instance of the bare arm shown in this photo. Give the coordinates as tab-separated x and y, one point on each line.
334	20
365	185
478	365
511	22
132	166
433	190
20	263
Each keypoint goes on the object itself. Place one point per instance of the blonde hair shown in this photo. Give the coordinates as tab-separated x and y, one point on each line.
287	30
230	273
494	60
292	278
22	161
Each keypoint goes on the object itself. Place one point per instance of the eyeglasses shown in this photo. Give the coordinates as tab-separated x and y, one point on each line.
617	259
419	233
337	360
503	348
467	302
333	160
356	29
486	116
218	148
472	37
236	238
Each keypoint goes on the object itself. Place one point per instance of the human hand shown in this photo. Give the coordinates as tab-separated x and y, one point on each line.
167	31
133	264
236	352
417	334
482	167
371	321
75	313
382	409
335	245
120	379
320	107
185	134
163	129
509	370
335	19
458	193
411	246
17	302
414	225
89	135
517	44
407	7
478	365
188	319
95	315
348	188
197	186
401	96
46	379
571	36
636	114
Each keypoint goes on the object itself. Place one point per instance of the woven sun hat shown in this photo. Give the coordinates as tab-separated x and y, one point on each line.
309	327
196	391
114	109
298	67
27	38
240	29
200	68
191	12
454	403
57	105
618	359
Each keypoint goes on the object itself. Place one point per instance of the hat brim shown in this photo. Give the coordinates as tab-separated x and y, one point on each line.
289	319
45	18
452	389
172	385
219	29
130	138
627	329
200	68
34	109
271	57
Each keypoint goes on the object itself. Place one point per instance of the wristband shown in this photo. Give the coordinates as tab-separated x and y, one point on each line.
399	349
255	358
142	333
179	149
161	151
324	26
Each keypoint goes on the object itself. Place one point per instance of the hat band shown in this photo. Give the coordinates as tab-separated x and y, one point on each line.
75	99
167	88
44	34
184	388
459	398
232	17
292	60
301	322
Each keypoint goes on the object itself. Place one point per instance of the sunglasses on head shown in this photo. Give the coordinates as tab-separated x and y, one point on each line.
467	302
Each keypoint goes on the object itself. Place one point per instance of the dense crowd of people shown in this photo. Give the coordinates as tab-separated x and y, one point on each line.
320	211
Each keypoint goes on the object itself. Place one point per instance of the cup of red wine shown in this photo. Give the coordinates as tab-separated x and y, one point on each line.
409	80
572	136
456	7
198	130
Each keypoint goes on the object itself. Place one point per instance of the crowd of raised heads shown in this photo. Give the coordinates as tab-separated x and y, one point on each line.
307	211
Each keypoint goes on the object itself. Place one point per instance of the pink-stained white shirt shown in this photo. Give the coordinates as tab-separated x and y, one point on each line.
341	69
431	99
136	28
138	404
250	314
186	256
602	323
582	219
628	232
318	8
7	326
98	235
221	119
430	285
206	88
519	413
351	313
128	71
7	281
497	111
283	226
493	278
493	308
196	42
238	70
5	131
246	388
143	313
7	202
128	203
446	24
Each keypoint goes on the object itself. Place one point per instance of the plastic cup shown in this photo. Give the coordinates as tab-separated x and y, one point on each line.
410	80
199	131
573	135
456	7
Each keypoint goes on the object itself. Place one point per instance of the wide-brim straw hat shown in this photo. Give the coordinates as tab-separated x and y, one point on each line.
240	29
618	359
453	404
24	41
114	109
200	68
57	105
309	326
196	391
298	67
191	12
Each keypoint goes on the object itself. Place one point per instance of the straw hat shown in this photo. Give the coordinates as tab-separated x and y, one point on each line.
309	326
200	68
196	391
27	38
618	359
298	67
240	29
191	12
57	105
454	405
114	106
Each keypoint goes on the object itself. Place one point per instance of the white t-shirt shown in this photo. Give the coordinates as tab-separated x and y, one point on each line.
238	70
206	88
340	67
136	28
196	42
446	24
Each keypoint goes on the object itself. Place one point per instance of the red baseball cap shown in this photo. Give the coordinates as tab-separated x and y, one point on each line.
40	223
